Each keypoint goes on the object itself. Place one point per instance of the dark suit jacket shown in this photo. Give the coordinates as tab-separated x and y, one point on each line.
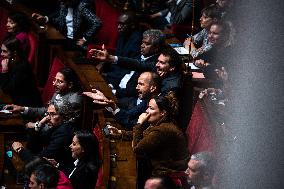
170	82
85	175
20	84
55	145
85	22
128	118
138	66
180	13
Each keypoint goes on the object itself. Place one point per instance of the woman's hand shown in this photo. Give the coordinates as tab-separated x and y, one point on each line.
52	161
114	131
143	118
81	42
4	64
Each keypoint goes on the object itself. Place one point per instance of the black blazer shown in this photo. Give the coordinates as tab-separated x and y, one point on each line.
85	22
55	145
85	175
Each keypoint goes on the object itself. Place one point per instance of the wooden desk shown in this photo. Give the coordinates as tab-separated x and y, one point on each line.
11	128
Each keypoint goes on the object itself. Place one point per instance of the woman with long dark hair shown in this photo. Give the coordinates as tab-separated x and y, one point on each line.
85	150
16	77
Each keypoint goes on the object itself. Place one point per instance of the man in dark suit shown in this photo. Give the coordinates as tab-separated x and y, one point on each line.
128	45
50	138
168	66
148	86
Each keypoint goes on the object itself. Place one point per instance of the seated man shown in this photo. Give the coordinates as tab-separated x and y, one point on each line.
44	177
128	45
200	170
177	12
75	20
168	66
67	89
147	87
50	138
152	43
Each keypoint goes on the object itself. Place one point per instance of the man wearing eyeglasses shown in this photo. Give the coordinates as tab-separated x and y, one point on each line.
50	137
66	89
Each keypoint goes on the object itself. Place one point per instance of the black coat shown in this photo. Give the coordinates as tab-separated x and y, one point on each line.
85	175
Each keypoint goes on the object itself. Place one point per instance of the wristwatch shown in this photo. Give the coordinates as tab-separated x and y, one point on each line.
19	149
37	127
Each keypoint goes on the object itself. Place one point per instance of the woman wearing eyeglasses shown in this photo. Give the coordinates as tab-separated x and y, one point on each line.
50	137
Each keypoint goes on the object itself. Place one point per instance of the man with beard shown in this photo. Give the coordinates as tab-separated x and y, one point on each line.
148	86
168	66
49	137
67	89
152	43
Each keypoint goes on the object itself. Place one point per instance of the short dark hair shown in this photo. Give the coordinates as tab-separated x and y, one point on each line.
212	11
175	60
14	46
71	77
206	160
32	165
155	80
46	175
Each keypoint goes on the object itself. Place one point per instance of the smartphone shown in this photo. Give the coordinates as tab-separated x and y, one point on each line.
105	131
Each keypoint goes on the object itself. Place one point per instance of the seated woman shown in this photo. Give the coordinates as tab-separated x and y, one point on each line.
221	36
162	142
199	43
85	150
16	77
49	138
18	26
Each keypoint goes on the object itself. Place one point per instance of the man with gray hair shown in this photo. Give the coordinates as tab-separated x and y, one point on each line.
200	170
152	43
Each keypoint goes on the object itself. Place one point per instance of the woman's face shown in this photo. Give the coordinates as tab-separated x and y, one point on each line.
76	149
154	111
11	26
215	35
205	21
5	53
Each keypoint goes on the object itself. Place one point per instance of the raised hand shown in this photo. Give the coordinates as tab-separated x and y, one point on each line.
98	97
101	55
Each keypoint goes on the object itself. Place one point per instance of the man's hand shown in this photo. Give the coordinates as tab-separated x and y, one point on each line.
98	97
4	64
101	55
16	146
30	125
14	108
39	18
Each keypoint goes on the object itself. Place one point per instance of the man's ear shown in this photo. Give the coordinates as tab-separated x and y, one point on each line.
153	88
70	85
172	69
41	186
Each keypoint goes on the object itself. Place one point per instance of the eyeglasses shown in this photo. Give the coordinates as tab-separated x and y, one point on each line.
51	114
58	81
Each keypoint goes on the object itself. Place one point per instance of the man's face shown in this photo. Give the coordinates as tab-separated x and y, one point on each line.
59	83
53	118
33	184
205	21
152	183
147	47
193	172
143	86
162	66
215	34
123	24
